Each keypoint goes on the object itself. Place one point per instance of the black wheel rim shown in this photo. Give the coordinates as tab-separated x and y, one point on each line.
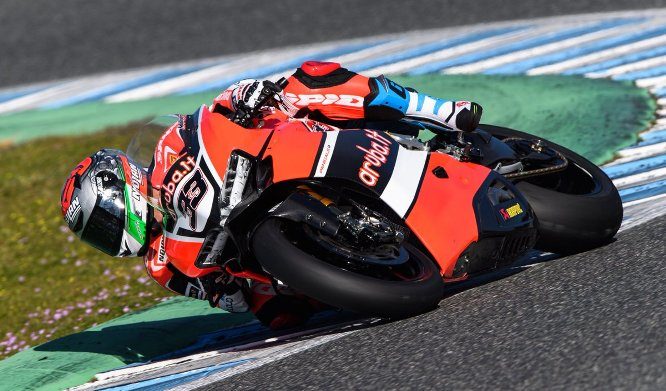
410	269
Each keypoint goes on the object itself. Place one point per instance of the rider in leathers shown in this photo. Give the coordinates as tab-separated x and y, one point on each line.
322	91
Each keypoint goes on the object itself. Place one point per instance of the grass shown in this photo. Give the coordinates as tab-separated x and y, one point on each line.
52	284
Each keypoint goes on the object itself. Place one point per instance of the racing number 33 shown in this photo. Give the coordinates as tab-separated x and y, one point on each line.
191	195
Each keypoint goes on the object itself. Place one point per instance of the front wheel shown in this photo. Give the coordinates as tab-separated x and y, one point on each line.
288	251
578	208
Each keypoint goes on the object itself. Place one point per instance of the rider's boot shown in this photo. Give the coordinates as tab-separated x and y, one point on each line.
389	99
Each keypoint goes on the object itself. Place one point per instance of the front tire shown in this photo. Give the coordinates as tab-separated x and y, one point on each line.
577	211
342	288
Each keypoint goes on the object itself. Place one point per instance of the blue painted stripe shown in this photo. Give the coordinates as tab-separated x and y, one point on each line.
617	61
100	93
635	167
545	39
643	191
642	74
652	138
563	55
279	67
177	379
15	94
413	52
660	93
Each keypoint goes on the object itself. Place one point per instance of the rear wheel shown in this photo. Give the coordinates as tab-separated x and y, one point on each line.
578	208
384	281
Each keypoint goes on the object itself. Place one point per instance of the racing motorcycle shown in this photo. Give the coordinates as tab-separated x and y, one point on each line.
375	220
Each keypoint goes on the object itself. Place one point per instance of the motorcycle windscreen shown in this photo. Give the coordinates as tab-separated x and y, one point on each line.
141	149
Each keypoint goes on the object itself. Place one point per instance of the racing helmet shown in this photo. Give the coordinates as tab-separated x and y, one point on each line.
103	202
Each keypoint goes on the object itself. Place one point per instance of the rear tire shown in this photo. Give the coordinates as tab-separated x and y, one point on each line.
343	288
570	222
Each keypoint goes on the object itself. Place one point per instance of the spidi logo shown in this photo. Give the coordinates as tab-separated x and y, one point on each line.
374	157
325	99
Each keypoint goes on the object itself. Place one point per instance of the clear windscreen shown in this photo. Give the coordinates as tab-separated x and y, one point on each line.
142	146
141	150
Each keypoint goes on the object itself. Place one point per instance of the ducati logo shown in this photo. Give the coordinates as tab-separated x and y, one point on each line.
374	157
325	99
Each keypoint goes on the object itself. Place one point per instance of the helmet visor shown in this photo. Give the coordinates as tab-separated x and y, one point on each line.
104	229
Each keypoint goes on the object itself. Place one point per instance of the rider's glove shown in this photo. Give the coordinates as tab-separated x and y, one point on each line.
242	91
248	92
226	292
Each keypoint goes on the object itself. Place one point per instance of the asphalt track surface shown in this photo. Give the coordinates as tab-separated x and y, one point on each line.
44	39
589	321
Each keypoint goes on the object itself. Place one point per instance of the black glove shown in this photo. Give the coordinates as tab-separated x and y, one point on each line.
225	291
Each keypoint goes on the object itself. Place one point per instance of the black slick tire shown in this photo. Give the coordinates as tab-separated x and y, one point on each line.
342	288
570	223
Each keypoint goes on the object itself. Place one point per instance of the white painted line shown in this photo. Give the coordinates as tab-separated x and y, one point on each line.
66	89
540	50
239	65
395	45
660	122
123	373
483	44
631	67
599	56
652	82
275	355
643	177
637	212
630	154
407	41
644	200
654	128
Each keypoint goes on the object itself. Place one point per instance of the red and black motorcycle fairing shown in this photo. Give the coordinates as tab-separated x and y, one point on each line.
465	216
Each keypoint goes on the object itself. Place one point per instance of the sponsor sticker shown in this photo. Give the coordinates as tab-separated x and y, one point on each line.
325	99
375	156
73	211
177	172
511	211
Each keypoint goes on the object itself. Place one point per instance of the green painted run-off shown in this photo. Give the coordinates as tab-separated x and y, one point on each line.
594	117
132	338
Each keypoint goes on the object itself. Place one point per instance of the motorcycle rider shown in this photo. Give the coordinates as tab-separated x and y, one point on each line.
105	200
